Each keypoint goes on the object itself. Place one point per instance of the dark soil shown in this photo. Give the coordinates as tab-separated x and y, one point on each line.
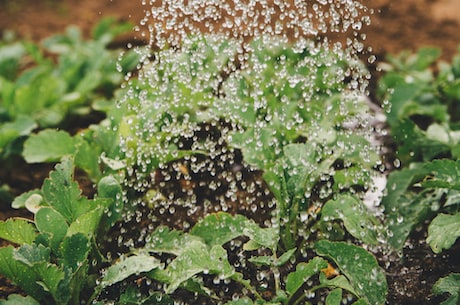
396	26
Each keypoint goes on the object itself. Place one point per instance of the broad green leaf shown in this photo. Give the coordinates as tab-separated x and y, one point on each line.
443	231
74	251
303	272
359	266
18	231
19	273
334	297
220	228
169	241
21	126
32	255
127	266
358	221
87	223
198	258
16	299
271	261
48	145
48	220
451	285
62	193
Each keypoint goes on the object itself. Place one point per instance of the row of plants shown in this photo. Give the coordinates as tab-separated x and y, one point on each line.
294	112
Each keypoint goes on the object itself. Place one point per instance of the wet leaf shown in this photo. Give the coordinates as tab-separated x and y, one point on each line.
31	255
48	220
198	258
48	146
220	228
334	297
303	272
16	299
74	251
338	281
62	193
358	221
169	241
359	266
443	231
19	273
18	231
449	284
132	265
87	223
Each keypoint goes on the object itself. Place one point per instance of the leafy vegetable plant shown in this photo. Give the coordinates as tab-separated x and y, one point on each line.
56	253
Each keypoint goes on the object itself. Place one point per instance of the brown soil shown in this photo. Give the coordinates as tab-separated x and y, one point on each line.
396	26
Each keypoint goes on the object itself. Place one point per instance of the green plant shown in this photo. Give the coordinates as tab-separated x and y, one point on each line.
57	252
44	95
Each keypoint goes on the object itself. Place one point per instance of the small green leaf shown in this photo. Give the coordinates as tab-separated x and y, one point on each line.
16	299
55	280
334	297
87	158
451	285
74	251
32	255
19	231
48	145
303	272
443	231
128	266
19	273
20	201
359	266
338	281
356	218
48	220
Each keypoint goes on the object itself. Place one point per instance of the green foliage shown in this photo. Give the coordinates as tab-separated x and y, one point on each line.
46	94
451	285
51	263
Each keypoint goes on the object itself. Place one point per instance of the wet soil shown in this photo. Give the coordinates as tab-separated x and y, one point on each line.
396	26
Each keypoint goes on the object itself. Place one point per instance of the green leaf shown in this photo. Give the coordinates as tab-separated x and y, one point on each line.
451	285
32	255
55	280
16	299
334	297
74	251
18	231
220	228
443	231
359	266
48	220
62	193
132	265
357	219
87	223
198	258
87	158
21	126
444	174
19	273
48	145
338	281
303	272
169	241
21	200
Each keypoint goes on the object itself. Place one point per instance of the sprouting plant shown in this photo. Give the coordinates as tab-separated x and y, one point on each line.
55	256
